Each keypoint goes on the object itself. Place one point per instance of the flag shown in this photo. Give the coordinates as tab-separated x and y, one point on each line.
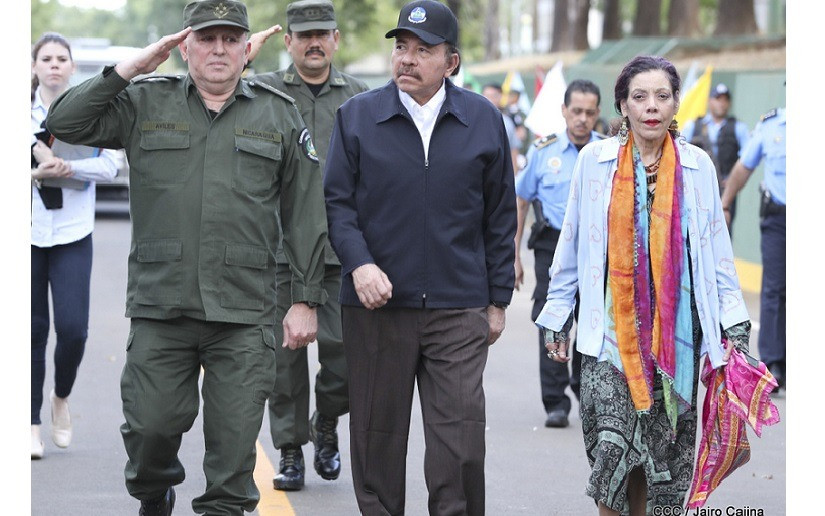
539	80
689	79
465	79
514	82
694	103
545	117
505	90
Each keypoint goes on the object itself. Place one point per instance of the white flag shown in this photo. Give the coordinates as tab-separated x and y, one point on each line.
545	116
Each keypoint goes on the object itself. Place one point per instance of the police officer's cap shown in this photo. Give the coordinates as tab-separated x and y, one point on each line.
209	13
310	15
719	90
433	22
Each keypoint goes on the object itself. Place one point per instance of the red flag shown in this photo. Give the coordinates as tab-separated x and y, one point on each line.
539	74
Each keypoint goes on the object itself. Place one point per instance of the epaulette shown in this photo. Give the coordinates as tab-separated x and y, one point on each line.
601	136
540	143
270	89
159	77
770	114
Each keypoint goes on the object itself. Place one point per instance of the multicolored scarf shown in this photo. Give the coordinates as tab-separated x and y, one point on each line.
649	328
737	393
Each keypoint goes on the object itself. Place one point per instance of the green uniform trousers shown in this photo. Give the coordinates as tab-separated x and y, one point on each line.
159	389
289	403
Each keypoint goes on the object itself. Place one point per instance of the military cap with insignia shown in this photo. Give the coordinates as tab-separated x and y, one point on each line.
310	15
209	13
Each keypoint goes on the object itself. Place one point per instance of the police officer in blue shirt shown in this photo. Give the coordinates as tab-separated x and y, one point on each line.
768	142
545	182
722	136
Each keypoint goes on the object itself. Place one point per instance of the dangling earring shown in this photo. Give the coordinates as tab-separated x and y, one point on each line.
674	126
623	134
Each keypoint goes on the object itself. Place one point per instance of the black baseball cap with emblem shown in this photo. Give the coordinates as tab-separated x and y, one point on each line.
431	21
310	15
209	13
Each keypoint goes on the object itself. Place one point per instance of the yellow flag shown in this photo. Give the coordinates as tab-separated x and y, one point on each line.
694	103
505	89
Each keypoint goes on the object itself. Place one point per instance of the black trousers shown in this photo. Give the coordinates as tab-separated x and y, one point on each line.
554	376
445	351
67	270
772	297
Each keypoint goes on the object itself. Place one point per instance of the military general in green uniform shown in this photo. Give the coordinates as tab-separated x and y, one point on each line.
215	159
318	88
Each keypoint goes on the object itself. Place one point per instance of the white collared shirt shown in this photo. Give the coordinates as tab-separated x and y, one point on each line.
424	116
75	219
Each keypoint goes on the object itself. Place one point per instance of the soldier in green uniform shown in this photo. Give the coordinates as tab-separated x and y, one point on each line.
319	89
214	160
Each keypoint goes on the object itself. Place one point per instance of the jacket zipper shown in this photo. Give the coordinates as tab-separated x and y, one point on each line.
426	184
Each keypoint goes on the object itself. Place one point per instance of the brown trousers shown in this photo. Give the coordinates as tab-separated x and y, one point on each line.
445	350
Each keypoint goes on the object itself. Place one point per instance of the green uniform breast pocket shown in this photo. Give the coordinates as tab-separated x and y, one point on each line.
160	272
257	161
242	284
164	159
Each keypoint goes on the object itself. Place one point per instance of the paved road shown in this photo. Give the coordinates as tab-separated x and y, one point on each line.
530	470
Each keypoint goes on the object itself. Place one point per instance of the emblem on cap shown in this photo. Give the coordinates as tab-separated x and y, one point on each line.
221	10
418	15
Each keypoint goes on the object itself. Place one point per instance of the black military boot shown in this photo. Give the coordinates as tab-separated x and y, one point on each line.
322	431
290	476
161	506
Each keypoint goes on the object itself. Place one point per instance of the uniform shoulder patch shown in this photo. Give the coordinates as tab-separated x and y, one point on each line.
540	143
159	78
267	87
770	114
306	145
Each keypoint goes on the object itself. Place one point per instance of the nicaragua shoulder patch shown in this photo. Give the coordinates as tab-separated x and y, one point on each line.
305	142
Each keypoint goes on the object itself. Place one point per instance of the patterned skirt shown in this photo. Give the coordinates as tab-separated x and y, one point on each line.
618	439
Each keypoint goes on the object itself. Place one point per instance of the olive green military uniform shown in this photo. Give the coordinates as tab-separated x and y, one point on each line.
289	403
205	195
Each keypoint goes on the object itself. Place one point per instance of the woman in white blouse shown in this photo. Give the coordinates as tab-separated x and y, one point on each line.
62	219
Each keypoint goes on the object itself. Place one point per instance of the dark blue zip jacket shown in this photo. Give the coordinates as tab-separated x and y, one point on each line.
442	229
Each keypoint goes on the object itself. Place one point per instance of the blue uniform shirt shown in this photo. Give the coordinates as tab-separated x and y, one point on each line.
768	141
547	175
741	131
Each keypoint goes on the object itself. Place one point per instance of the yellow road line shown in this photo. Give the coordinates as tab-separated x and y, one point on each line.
273	502
750	275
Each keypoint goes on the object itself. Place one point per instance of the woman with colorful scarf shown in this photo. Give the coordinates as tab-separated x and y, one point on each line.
644	242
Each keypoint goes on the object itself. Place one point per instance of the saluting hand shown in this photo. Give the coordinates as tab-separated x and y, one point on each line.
259	38
372	286
300	326
148	59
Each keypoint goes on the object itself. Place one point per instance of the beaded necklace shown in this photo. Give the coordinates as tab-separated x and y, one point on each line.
652	171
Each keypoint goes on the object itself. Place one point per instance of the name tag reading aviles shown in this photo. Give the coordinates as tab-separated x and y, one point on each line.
164	126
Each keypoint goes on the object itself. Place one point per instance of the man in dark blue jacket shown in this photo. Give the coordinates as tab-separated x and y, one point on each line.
422	214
